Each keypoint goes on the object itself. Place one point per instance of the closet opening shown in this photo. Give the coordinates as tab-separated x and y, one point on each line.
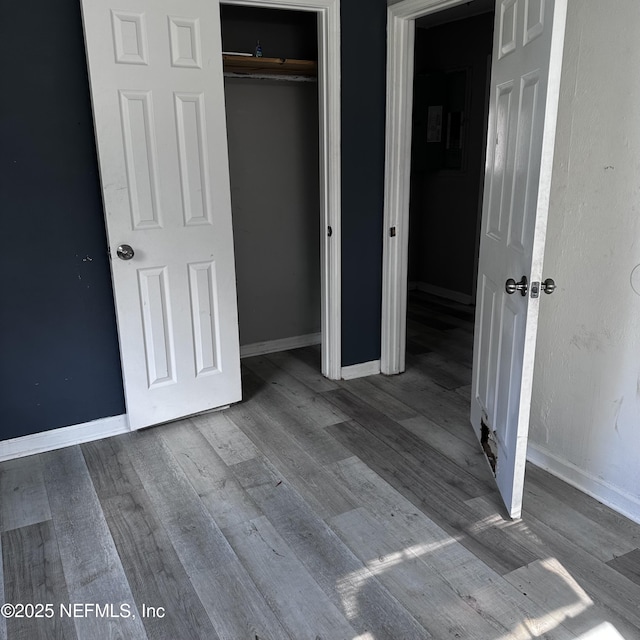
272	107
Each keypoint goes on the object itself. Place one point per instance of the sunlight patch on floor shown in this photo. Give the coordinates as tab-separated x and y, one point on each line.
604	631
554	595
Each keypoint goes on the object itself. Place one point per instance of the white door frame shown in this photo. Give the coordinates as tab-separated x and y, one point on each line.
401	19
328	14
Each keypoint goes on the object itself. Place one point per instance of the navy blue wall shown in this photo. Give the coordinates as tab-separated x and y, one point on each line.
363	28
59	362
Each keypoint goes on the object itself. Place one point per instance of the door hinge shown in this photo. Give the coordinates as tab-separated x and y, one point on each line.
392	232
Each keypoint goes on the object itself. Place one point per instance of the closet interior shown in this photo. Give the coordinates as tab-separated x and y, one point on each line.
273	138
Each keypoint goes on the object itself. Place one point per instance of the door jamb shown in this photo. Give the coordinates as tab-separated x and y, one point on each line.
401	19
328	14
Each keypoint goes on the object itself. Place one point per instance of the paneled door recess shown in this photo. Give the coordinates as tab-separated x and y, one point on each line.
525	79
158	102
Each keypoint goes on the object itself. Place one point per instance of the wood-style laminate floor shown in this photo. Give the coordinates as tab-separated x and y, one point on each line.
358	510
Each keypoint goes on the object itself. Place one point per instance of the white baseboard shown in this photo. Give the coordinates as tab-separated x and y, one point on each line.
63	437
283	344
456	296
360	370
613	497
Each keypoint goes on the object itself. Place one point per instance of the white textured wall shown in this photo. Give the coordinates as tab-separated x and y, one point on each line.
585	420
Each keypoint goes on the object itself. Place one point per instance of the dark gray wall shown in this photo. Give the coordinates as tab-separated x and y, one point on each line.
59	356
59	362
272	129
445	204
282	34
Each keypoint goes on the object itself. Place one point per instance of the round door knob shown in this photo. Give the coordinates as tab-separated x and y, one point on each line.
511	286
549	286
125	252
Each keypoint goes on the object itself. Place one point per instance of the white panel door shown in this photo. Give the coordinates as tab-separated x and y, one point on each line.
525	79
158	100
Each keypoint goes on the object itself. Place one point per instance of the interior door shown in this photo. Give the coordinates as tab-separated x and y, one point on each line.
525	79
158	101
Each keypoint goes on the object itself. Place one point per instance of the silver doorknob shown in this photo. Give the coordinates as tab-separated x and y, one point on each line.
511	286
125	252
548	286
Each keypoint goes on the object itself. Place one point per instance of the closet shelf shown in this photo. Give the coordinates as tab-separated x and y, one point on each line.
249	65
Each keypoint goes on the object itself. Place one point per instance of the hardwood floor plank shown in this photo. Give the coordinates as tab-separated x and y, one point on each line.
299	468
585	504
429	598
415	348
32	561
379	399
305	400
92	568
601	542
432	301
444	323
460	317
430	319
304	364
225	516
603	584
549	584
523	618
268	405
465	394
154	572
628	565
437	501
417	454
225	500
441	406
378	497
231	599
390	506
460	568
110	467
227	440
469	456
456	344
366	605
443	370
23	495
301	605
410	380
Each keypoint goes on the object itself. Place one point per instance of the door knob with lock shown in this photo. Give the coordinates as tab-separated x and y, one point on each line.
511	286
125	252
548	286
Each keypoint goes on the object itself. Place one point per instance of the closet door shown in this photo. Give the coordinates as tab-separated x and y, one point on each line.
158	100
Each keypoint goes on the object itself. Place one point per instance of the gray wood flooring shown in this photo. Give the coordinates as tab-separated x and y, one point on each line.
320	510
